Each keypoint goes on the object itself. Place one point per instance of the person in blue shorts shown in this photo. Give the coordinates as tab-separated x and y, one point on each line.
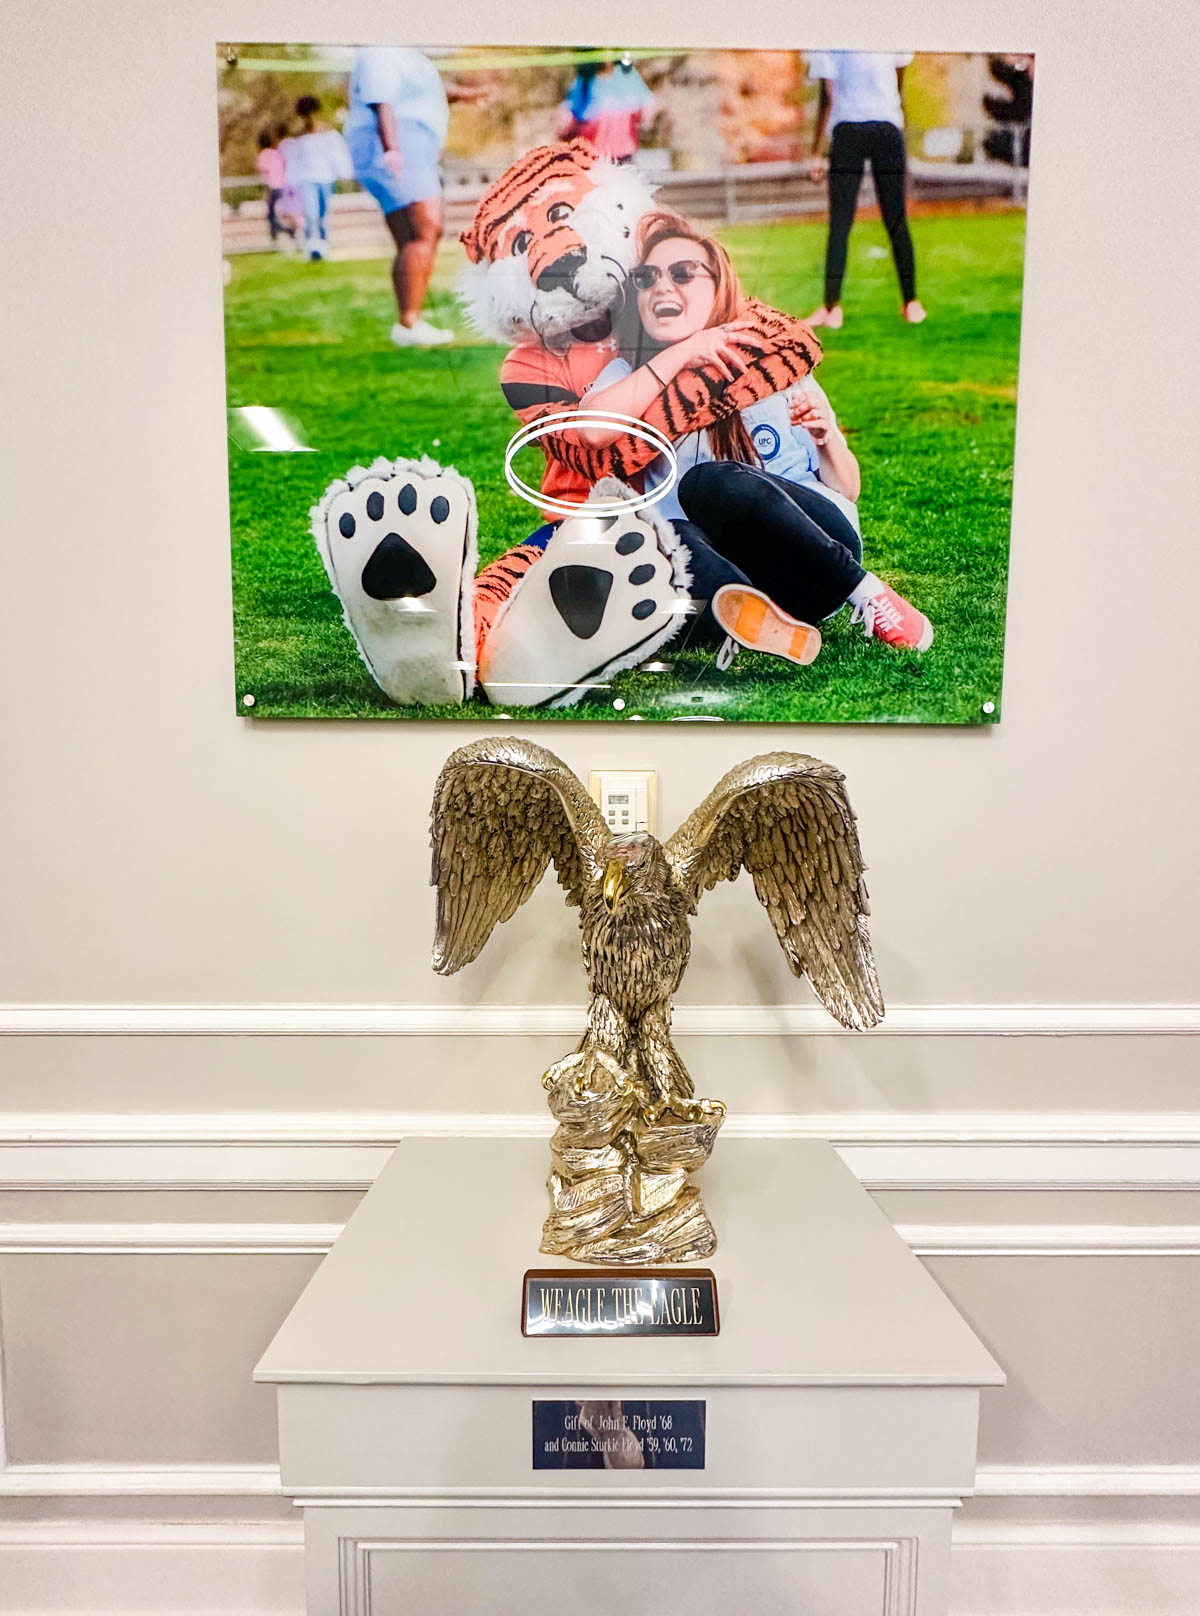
396	128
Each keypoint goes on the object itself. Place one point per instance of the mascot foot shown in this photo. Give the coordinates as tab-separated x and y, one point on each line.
398	542
608	592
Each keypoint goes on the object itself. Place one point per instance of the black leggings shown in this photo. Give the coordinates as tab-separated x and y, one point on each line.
785	539
852	146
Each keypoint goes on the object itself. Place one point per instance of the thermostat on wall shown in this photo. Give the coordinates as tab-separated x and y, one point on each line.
626	798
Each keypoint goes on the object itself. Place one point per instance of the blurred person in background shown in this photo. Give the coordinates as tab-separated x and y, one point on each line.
289	207
396	128
608	104
320	158
1008	142
859	101
270	169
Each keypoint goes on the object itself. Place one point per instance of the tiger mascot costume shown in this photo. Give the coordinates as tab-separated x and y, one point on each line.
549	249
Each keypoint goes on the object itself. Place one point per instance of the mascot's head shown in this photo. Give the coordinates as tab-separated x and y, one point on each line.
550	245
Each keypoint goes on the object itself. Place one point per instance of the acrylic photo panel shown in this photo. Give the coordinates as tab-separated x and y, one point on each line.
647	385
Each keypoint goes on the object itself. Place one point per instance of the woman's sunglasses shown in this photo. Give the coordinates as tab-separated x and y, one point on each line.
683	273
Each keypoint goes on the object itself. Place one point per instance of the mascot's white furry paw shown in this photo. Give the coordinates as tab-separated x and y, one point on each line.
398	542
608	592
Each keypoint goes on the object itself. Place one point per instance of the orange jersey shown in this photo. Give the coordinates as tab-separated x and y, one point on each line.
539	381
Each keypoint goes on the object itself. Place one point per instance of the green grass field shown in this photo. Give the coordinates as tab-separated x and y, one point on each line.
929	410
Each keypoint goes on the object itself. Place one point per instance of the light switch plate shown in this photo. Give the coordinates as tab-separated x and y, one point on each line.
627	798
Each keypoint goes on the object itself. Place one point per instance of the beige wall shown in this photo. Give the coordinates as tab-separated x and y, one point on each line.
158	849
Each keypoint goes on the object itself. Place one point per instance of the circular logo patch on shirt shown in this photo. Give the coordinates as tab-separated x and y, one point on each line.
766	441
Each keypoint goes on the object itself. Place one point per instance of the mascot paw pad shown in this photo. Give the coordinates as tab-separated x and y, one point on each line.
398	543
608	592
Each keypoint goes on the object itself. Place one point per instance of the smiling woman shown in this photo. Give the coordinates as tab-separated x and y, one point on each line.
776	549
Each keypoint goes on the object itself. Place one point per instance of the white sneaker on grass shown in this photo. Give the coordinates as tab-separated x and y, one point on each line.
421	334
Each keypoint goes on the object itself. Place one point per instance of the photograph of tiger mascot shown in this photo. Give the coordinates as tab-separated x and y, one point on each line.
549	252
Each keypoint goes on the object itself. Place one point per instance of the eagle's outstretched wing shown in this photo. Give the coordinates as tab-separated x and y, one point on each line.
502	809
786	819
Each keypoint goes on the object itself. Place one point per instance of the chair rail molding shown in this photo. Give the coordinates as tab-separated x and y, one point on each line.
259	1481
281	1238
346	1150
566	1020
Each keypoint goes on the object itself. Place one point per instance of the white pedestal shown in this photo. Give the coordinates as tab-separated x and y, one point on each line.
842	1406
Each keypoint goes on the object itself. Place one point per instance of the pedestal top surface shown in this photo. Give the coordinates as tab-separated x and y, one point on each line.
815	1286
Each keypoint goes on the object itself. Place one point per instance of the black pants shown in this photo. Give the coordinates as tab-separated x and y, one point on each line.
787	540
710	570
852	147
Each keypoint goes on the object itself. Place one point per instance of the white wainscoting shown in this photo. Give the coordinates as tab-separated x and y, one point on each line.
256	1568
1142	1559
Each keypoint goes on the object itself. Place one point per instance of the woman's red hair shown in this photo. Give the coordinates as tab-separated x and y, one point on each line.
728	438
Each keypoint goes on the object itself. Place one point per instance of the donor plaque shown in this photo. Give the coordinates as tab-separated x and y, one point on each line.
587	1435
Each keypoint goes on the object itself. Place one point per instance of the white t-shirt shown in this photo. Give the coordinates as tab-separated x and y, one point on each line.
862	85
403	78
783	449
319	159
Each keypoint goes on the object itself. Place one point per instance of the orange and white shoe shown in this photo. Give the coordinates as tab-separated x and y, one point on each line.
753	620
887	616
914	313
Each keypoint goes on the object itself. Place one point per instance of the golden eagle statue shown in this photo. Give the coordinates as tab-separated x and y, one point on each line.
629	1129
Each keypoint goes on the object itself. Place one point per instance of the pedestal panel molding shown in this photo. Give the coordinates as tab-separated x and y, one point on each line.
897	1595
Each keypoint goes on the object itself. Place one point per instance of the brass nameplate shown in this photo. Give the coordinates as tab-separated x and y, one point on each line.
636	1301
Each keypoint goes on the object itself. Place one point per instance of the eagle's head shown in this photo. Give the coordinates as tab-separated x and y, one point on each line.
634	862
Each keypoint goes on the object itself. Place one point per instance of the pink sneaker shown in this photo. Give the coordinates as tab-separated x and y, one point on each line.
887	616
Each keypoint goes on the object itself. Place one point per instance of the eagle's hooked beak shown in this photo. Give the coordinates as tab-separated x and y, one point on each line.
615	881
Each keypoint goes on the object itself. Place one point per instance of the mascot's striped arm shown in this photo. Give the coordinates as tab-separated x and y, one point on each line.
778	351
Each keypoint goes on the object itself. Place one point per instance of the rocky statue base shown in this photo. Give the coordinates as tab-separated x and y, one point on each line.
619	1190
